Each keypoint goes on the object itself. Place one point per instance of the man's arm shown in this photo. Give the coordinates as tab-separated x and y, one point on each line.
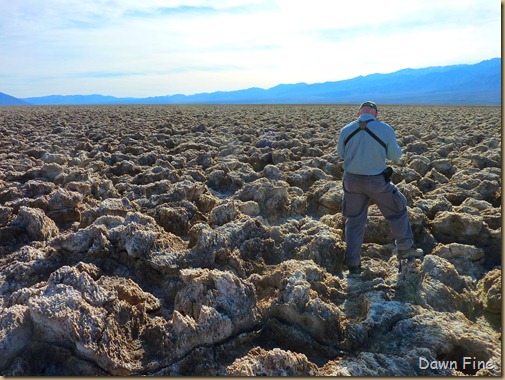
394	151
340	146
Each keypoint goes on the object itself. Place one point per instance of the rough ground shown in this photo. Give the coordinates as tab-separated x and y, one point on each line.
206	240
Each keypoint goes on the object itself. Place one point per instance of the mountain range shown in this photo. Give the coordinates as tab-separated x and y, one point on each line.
465	84
7	100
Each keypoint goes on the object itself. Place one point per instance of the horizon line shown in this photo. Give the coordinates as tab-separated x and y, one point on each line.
248	88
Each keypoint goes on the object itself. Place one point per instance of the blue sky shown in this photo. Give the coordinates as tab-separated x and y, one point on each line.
141	48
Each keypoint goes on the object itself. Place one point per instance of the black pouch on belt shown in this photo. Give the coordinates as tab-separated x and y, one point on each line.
388	173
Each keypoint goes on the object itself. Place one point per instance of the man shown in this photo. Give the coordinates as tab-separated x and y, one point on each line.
365	145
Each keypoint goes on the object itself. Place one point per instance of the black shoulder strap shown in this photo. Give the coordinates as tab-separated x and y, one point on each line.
352	135
376	138
363	127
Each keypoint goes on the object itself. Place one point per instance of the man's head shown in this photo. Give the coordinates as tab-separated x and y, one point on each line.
368	107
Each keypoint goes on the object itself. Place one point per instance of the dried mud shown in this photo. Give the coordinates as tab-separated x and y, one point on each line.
207	240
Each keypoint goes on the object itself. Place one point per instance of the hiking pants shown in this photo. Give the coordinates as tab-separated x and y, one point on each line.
358	191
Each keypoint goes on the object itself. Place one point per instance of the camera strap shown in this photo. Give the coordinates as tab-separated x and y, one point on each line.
363	127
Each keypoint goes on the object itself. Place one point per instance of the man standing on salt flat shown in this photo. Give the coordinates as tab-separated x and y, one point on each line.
365	145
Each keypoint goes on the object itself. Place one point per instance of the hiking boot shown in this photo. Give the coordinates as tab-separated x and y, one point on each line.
408	253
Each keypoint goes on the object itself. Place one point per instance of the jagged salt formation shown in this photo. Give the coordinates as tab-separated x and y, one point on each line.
206	240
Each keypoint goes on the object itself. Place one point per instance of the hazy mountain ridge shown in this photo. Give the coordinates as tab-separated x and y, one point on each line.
7	100
478	84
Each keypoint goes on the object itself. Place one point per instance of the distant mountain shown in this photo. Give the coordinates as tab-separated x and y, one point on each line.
75	99
477	84
7	100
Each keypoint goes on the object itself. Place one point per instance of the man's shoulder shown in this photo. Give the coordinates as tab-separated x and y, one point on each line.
351	125
384	124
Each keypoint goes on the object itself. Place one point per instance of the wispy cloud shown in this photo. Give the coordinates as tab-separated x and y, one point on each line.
158	47
183	10
102	74
193	10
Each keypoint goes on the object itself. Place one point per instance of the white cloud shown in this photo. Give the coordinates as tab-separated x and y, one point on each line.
158	47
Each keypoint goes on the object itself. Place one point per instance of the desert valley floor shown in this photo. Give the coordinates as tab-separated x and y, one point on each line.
207	240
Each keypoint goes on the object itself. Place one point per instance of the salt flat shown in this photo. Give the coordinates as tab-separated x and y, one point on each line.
207	240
